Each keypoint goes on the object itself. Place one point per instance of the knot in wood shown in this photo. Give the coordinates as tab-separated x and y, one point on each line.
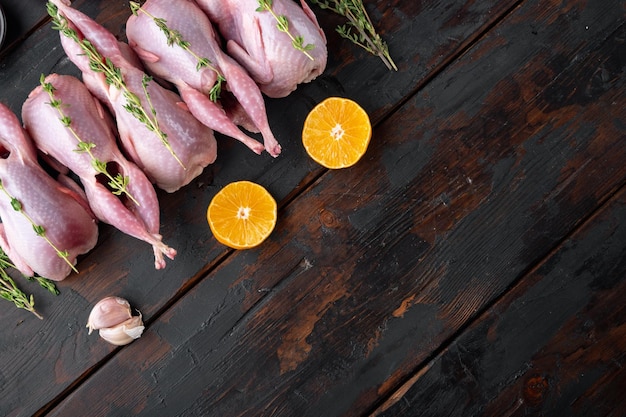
328	219
535	390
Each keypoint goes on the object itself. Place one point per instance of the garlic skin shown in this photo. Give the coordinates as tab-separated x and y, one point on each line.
123	333
112	317
109	311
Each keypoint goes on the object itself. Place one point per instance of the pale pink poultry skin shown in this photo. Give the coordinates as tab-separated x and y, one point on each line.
267	53
63	213
192	142
90	123
179	66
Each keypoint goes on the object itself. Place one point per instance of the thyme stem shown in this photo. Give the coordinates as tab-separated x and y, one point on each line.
113	76
283	25
358	19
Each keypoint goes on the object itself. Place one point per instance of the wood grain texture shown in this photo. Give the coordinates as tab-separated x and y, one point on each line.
467	187
554	345
41	360
22	17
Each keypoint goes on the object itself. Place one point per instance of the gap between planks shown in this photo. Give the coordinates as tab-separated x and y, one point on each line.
397	393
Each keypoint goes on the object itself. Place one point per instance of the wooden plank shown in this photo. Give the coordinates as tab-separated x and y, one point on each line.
464	189
41	360
22	16
41	53
554	345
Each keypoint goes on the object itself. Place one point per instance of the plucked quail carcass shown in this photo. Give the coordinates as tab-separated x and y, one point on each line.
254	40
46	224
67	123
164	56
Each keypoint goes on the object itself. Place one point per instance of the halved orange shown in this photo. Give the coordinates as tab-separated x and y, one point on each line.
242	215
336	132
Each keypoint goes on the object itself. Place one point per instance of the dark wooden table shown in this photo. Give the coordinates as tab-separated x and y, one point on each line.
472	263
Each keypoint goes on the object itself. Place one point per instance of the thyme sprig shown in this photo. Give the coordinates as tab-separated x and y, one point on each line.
366	36
11	292
283	25
113	76
38	229
119	183
45	283
174	37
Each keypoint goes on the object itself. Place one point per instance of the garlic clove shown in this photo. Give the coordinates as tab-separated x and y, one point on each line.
108	312
123	333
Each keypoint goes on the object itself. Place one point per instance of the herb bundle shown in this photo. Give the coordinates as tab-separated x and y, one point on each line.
11	292
359	28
